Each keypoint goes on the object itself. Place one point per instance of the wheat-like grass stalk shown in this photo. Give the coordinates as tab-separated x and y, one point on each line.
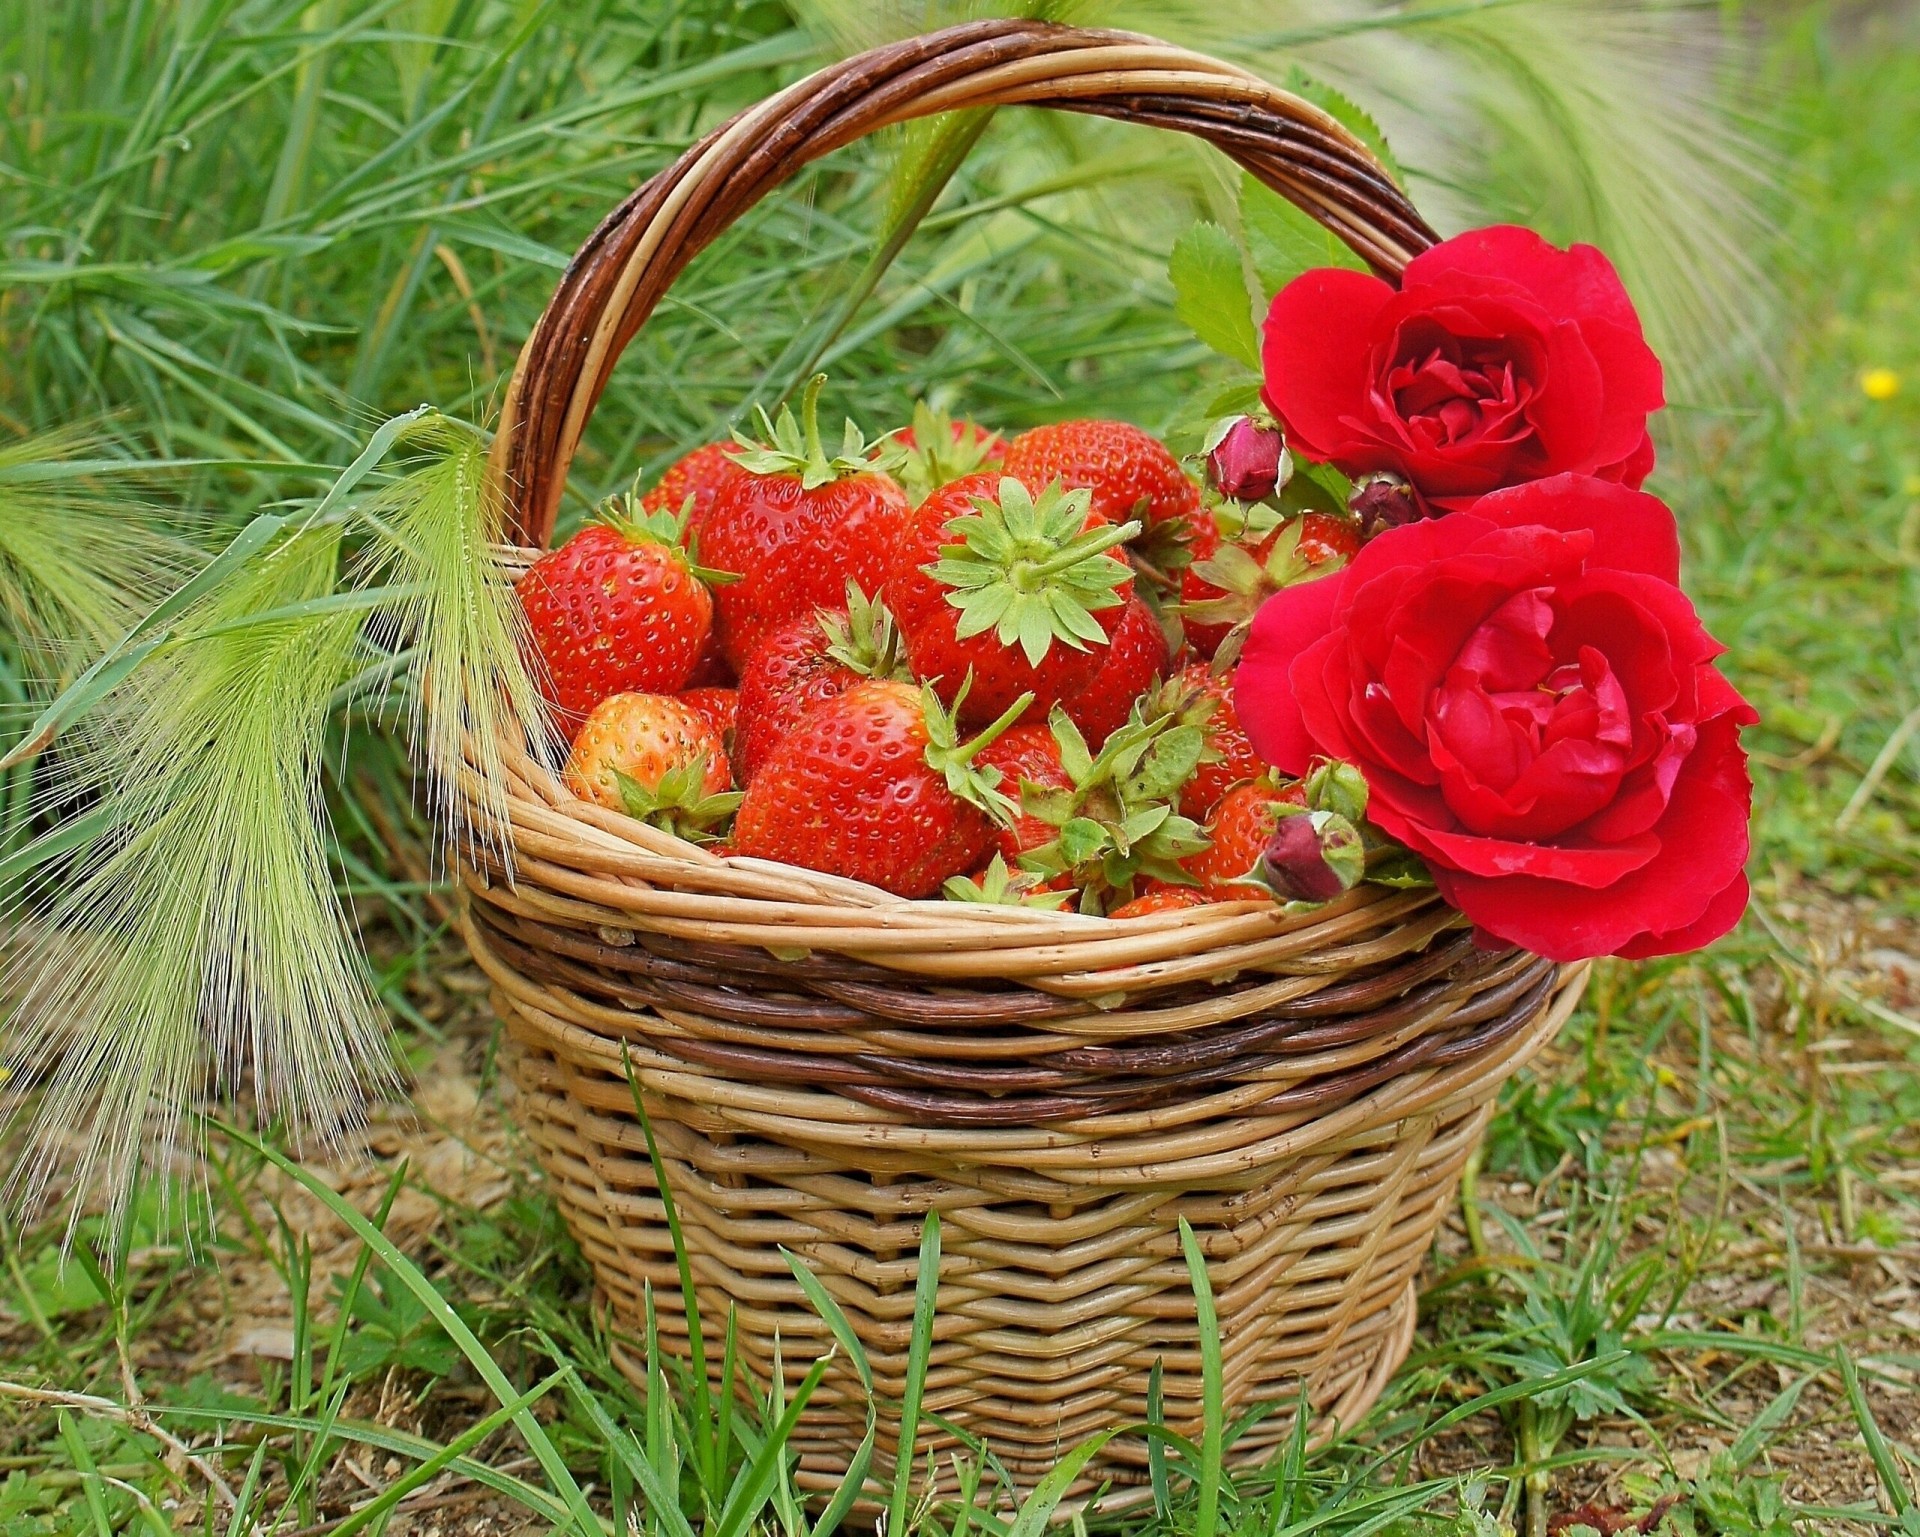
191	944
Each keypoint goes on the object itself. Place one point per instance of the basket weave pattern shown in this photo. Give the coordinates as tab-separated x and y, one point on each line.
824	1063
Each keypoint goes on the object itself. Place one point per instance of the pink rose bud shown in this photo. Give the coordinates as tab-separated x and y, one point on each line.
1245	460
1384	502
1313	857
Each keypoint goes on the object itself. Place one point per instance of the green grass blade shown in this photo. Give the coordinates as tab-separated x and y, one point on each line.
835	1316
477	1354
1036	1510
1892	1482
755	1485
1212	1386
377	1508
90	1485
702	1393
926	1293
1156	1448
661	1500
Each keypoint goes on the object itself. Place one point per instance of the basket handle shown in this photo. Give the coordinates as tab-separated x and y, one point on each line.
619	275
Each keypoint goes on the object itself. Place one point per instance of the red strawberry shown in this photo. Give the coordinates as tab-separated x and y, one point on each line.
1026	754
805	662
873	785
718	707
1166	899
711	671
621	607
1129	473
1014	590
1227	580
936	449
1208	698
699	475
798	525
1241	828
653	757
1136	660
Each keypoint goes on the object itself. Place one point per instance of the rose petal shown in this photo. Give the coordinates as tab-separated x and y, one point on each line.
1722	914
1313	357
1634	390
1633	530
1633	469
1572	402
1577	281
1287	624
1702	847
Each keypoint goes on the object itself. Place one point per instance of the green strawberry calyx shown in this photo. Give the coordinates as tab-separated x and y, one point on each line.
679	804
1247	581
938	454
864	639
637	524
787	447
1003	888
1024	568
1186	703
977	785
1117	824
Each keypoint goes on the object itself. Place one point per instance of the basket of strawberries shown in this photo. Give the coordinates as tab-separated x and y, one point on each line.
1078	842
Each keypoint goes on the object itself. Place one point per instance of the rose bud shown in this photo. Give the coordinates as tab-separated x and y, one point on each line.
1383	502
1313	857
1246	459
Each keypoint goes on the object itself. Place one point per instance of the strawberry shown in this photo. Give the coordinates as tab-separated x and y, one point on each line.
1197	693
1163	899
806	661
1129	474
1136	659
621	607
1238	835
1229	578
653	757
711	671
798	526
874	785
718	707
1026	756
699	475
936	450
1014	590
1115	826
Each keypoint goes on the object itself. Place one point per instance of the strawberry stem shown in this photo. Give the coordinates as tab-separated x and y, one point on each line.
989	734
810	427
954	762
1089	545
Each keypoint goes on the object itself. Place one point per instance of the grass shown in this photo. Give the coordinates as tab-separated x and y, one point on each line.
1685	1275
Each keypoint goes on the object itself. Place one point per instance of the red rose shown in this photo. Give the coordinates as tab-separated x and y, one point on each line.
1499	359
1533	703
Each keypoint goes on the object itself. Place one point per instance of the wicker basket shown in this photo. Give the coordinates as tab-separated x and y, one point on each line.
825	1063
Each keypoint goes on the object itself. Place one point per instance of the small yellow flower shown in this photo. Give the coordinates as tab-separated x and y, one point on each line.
1880	384
1664	1075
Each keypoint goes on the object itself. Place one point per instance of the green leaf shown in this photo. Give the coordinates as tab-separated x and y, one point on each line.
1285	242
1348	113
1210	292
